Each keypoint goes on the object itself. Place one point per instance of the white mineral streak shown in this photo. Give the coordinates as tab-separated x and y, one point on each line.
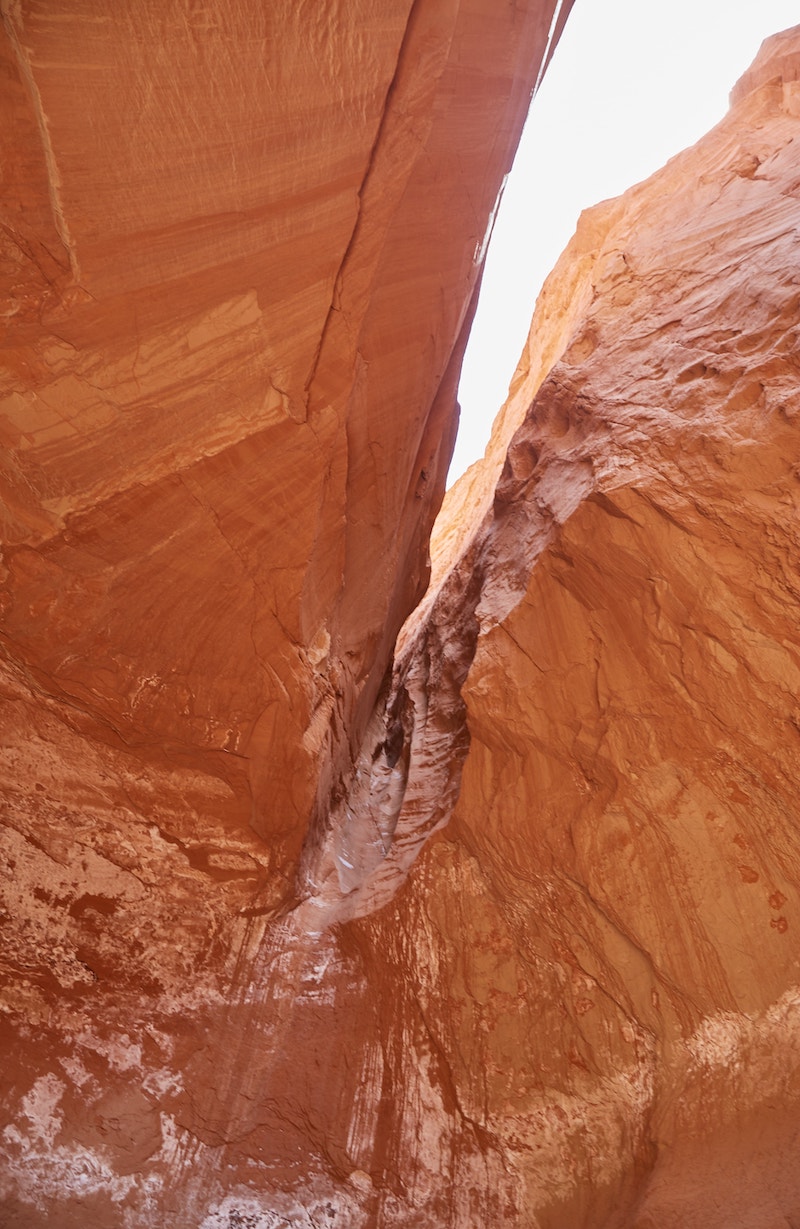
38	1168
366	1104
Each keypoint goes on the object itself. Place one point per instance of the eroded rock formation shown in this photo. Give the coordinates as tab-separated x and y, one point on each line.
240	245
624	858
491	925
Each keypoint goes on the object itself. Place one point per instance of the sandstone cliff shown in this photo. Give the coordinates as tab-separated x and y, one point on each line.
609	962
240	244
236	319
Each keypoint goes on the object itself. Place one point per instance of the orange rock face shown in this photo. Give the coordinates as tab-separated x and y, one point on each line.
239	247
610	963
304	922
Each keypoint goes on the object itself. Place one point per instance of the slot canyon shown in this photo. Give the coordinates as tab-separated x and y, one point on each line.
373	857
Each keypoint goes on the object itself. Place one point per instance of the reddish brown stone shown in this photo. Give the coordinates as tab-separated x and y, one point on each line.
239	248
632	778
238	286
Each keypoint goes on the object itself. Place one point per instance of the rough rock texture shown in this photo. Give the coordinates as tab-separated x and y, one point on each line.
235	318
612	961
239	247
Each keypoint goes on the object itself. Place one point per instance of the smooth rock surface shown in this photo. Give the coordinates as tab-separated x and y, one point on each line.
239	249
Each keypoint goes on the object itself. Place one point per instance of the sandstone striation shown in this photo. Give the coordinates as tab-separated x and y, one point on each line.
306	922
233	316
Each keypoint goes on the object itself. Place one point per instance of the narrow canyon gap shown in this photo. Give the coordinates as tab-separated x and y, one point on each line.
328	900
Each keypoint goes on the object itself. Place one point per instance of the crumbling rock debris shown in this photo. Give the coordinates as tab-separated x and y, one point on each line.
328	900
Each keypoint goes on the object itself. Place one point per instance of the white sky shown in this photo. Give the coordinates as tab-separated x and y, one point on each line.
632	82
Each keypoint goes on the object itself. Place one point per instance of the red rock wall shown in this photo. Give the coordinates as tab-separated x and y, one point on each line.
220	411
609	970
240	245
228	998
